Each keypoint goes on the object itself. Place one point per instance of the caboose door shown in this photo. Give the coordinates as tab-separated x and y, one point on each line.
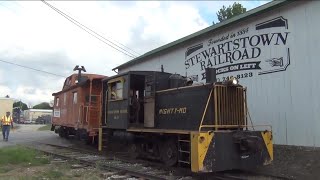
75	108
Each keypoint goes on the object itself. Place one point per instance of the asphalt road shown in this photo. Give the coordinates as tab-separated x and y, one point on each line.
28	133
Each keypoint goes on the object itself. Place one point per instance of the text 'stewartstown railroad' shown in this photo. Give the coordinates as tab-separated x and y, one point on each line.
165	116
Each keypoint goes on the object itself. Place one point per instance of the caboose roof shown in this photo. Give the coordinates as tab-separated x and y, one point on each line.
90	77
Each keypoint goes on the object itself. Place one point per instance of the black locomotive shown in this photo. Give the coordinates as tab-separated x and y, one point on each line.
166	116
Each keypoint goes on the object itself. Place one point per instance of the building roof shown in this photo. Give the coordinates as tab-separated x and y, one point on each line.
261	9
39	110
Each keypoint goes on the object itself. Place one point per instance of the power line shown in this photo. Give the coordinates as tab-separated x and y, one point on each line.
91	32
69	17
31	68
86	29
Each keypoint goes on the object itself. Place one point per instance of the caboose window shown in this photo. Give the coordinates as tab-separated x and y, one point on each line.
75	98
57	101
64	98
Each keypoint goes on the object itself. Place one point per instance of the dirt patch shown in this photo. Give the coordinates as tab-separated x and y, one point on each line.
294	162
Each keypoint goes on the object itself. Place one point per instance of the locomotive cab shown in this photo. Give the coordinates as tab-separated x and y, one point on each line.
129	98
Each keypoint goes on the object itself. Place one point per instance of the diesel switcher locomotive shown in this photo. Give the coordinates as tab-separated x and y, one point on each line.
164	116
167	117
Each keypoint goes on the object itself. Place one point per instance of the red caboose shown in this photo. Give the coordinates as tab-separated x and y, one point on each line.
77	107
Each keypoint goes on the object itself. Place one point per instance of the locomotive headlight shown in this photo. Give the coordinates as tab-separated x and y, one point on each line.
235	81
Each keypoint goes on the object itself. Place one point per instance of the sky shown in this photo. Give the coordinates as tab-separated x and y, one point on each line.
34	35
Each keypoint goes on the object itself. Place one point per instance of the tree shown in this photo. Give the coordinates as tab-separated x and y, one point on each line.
21	105
231	11
43	105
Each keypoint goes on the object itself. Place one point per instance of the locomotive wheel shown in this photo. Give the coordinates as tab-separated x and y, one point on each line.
169	153
134	150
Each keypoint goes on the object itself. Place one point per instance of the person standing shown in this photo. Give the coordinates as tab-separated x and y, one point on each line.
6	122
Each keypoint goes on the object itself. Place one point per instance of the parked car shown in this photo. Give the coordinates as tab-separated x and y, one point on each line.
27	122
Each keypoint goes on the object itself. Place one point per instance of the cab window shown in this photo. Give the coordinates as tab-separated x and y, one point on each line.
116	90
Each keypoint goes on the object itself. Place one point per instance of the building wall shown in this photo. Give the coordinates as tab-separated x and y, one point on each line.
281	75
6	104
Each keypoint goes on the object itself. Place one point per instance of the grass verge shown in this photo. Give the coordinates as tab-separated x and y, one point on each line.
21	163
45	128
19	155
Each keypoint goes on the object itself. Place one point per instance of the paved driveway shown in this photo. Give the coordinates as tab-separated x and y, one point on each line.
28	133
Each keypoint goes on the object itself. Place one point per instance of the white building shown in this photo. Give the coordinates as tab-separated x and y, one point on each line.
273	50
31	115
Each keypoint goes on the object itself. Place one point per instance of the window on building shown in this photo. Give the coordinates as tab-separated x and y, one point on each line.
116	90
57	101
75	98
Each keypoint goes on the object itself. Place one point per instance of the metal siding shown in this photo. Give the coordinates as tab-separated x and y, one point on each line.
6	104
288	100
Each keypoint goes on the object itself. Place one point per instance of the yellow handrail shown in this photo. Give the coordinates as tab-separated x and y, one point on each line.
234	126
205	110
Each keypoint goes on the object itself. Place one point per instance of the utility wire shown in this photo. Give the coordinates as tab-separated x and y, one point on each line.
31	68
91	32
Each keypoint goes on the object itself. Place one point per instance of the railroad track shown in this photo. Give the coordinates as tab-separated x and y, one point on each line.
116	167
136	169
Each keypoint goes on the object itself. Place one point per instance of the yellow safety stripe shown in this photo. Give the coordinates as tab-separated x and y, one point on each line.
199	146
267	138
6	120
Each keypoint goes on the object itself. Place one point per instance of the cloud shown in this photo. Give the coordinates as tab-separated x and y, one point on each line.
34	35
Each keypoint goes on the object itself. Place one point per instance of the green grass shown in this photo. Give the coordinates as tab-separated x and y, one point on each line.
19	155
45	128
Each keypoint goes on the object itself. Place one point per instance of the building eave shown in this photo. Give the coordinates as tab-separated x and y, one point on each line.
261	9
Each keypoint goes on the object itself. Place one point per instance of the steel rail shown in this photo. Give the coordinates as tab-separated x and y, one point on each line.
110	167
145	175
